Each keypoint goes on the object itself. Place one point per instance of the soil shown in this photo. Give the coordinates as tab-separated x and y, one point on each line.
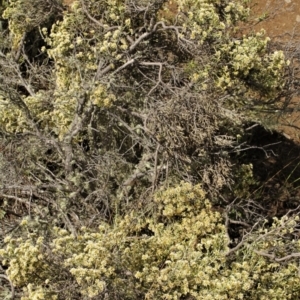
280	18
275	154
68	2
281	21
276	168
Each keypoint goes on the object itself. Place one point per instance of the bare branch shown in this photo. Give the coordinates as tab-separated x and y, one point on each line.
274	258
14	198
101	73
239	223
155	173
20	48
143	36
125	65
244	238
159	73
94	20
12	288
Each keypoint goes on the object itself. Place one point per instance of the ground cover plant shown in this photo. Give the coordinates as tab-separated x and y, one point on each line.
131	158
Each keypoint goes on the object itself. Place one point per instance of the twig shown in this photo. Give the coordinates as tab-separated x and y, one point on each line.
12	288
125	65
251	127
155	168
239	223
274	258
94	20
159	73
243	241
18	54
100	73
14	198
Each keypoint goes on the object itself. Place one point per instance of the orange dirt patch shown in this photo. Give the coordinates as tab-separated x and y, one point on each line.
281	20
68	2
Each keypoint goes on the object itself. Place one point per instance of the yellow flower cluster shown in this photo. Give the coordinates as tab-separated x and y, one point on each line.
100	96
179	250
38	293
24	259
22	20
14	119
11	118
76	48
60	42
94	258
248	59
203	21
61	116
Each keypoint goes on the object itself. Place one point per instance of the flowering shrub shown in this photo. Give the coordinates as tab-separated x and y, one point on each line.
118	120
80	45
179	249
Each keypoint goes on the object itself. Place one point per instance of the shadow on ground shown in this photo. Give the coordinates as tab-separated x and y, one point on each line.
276	169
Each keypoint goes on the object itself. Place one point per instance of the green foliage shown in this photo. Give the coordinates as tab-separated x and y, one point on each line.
25	258
22	21
78	48
244	179
178	249
250	63
118	120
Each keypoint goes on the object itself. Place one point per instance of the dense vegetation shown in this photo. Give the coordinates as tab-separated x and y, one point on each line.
129	149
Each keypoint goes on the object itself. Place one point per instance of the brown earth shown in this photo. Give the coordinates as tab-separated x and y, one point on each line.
280	18
68	2
281	21
278	169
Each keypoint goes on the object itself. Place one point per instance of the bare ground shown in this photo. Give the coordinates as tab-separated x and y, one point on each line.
281	21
